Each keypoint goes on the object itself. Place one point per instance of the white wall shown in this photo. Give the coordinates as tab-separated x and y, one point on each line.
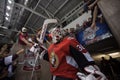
79	20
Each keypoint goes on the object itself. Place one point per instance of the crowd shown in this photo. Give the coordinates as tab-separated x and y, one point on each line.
110	68
67	57
8	62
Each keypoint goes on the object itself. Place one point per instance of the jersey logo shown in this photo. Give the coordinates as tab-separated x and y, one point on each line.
80	47
54	60
70	38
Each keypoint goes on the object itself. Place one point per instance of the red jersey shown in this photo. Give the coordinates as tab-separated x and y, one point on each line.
61	62
20	38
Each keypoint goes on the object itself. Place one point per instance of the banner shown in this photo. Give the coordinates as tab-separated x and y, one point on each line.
30	61
88	35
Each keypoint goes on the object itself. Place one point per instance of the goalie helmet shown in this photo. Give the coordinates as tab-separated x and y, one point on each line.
57	34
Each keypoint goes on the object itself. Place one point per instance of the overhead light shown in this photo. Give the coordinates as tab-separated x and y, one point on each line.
26	1
1	34
7	14
9	1
3	27
6	18
114	54
8	7
102	55
99	56
107	56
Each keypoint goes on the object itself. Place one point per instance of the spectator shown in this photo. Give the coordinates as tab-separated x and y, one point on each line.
23	38
22	43
114	63
105	68
3	48
92	5
89	22
78	28
85	25
3	72
72	32
66	32
7	62
3	68
47	39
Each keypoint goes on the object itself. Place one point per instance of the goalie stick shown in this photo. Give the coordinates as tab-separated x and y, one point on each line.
44	28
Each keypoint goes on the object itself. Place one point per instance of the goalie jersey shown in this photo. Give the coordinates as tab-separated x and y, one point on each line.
66	56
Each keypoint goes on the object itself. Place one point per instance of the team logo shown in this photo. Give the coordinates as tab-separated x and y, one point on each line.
54	60
30	62
90	33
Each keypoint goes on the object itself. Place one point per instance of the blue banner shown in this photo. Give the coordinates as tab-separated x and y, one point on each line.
88	35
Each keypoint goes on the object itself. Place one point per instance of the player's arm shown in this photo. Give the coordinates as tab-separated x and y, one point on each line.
93	4
78	56
25	41
45	57
20	51
4	47
77	51
15	56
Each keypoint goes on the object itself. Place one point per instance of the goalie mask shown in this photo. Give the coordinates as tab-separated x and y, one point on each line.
57	34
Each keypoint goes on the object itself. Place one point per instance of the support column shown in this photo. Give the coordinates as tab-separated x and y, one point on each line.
111	12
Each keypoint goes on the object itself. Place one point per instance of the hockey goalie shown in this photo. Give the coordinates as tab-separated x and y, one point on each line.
68	59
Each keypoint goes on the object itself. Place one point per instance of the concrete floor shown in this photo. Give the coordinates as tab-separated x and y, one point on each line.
42	74
20	74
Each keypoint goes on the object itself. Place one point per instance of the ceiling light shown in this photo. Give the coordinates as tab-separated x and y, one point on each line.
7	14
3	27
99	56
26	1
114	54
102	55
9	1
1	34
6	18
8	7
